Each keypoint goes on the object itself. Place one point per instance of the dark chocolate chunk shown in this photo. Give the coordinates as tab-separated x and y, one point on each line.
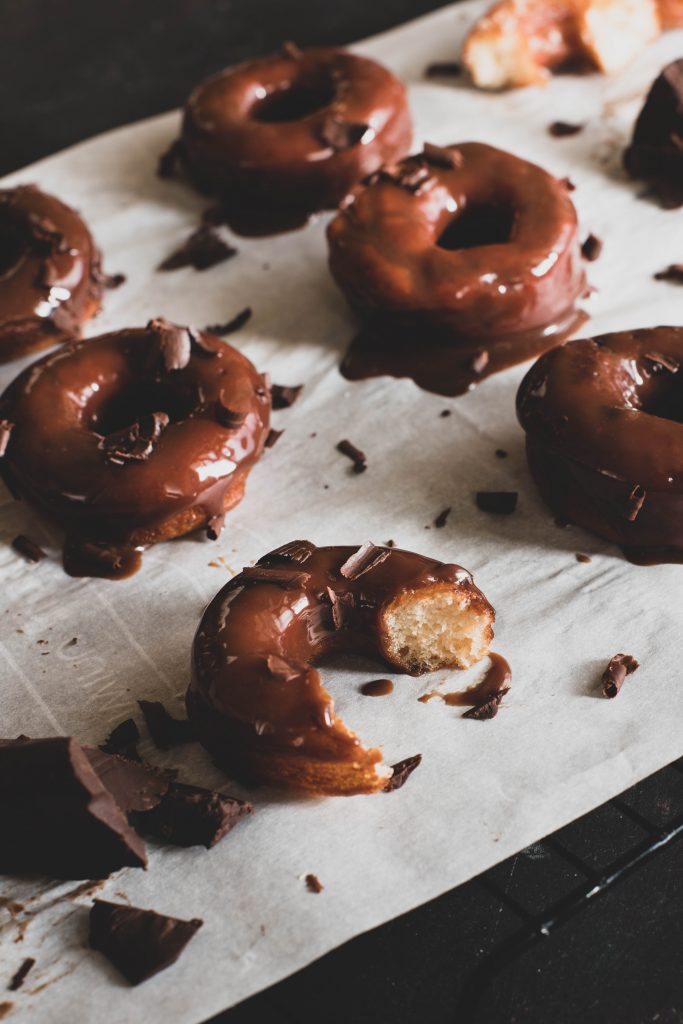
440	156
341	606
123	740
169	160
359	458
313	883
479	361
175	344
635	502
489	709
402	772
673	274
58	817
140	943
443	69
230	326
227	416
591	248
501	503
656	154
166	731
31	551
281	576
284	396
134	785
5	433
273	437
560	129
582	558
442	517
368	556
203	249
298	551
339	134
135	443
19	977
618	667
194	816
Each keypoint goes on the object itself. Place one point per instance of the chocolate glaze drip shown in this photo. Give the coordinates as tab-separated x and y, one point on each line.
255	701
494	684
50	276
282	136
458	271
604	425
121	440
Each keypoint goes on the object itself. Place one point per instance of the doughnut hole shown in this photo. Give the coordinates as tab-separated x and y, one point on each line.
12	244
476	225
293	101
437	627
662	396
127	405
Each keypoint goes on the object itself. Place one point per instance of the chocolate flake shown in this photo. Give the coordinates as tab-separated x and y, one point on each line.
194	816
591	248
618	667
273	437
561	129
582	558
635	502
175	343
443	69
341	606
501	503
284	396
440	156
123	740
444	413
280	576
340	135
31	551
402	772
661	362
479	361
368	556
488	710
140	943
19	976
673	274
134	443
215	525
203	249
298	551
226	416
230	326
313	883
442	518
5	433
359	458
166	731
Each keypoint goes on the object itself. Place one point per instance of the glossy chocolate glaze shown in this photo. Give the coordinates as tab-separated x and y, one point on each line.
254	694
113	500
458	271
495	681
50	277
280	137
604	424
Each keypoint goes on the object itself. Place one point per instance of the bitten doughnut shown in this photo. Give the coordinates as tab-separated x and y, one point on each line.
255	700
604	438
277	138
133	438
50	276
462	260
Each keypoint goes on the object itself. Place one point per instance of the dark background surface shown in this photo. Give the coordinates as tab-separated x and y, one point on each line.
73	68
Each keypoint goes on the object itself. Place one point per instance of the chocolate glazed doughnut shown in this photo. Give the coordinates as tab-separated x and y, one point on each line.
255	701
132	438
50	276
462	261
278	138
604	424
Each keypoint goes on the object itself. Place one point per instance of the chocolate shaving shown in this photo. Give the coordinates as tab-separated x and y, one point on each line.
169	160
501	503
166	731
368	556
440	156
443	69
273	437
284	396
135	443
201	345
561	129
215	525
194	816
414	178
226	416
5	433
19	977
479	361
673	274
175	343
203	249
591	248
341	606
139	943
359	458
661	362
618	667
340	135
298	551
634	502
280	576
483	712
230	326
28	548
402	772
442	518
123	740
313	884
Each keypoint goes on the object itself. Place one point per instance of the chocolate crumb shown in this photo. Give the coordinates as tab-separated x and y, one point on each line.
368	556
443	69
444	413
561	129
479	361
635	502
442	517
391	543
19	976
283	396
582	558
273	437
313	883
441	156
358	457
618	667
5	432
591	248
673	274
230	326
281	576
165	730
488	710
402	772
123	740
340	135
194	816
28	548
501	503
72	642
500	453
568	184
203	249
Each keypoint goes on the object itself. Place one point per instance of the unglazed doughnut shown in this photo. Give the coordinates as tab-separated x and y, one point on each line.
280	137
605	437
463	260
255	700
50	276
133	438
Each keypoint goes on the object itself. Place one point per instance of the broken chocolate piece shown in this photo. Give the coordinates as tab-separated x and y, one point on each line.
339	134
591	248
442	518
561	129
313	883
175	344
58	817
5	432
341	606
635	502
281	576
19	976
440	156
443	69
203	249
123	740
284	396
273	437
31	551
673	273
135	443
194	816
134	785
298	551
226	416
166	731
489	709
501	503
618	667
368	556
231	325
359	458
402	772
140	943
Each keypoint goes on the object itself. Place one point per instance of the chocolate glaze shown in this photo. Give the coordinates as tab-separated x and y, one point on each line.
282	136
495	683
116	497
458	271
50	276
377	688
254	699
605	438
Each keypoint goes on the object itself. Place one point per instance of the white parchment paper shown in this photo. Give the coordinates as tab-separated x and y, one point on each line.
484	790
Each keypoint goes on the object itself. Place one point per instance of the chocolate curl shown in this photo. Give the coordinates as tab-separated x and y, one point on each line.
402	772
618	667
